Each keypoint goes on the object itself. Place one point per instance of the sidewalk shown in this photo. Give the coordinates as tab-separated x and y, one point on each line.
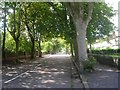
103	77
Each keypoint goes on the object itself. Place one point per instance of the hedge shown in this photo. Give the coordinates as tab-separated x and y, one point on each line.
108	60
106	51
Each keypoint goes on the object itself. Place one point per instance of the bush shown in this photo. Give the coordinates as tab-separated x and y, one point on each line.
89	64
106	51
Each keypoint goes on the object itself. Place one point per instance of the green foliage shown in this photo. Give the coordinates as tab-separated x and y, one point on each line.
89	64
50	23
100	25
105	51
10	43
47	47
25	45
54	45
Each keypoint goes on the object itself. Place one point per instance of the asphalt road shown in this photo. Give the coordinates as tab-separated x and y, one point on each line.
53	71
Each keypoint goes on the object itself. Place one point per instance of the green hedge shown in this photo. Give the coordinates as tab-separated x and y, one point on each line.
106	51
107	60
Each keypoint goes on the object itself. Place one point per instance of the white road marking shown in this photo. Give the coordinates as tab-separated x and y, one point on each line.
20	75
23	73
14	78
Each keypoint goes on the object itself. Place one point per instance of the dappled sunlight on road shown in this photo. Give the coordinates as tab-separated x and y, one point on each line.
11	73
108	70
53	72
59	55
48	81
100	67
103	77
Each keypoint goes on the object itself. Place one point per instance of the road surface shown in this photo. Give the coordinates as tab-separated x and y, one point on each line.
53	71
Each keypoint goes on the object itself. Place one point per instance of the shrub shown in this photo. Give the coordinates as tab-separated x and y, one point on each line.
89	64
106	51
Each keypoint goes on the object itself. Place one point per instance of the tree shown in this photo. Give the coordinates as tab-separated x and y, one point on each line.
70	21
100	25
0	32
29	21
15	25
37	23
81	14
4	33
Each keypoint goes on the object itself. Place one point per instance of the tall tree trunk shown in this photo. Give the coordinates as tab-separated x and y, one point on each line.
32	48
71	48
14	17
40	53
81	39
0	48
15	39
4	34
15	33
32	41
75	45
17	50
90	51
77	12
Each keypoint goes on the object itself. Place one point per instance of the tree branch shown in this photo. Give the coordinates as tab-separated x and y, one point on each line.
90	10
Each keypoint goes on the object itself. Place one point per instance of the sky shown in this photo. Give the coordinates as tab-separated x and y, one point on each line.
114	4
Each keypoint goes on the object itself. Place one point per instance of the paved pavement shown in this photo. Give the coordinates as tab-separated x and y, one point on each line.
104	77
50	72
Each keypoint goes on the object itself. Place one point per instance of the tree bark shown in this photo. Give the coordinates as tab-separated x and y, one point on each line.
15	33
81	39
77	12
76	51
32	41
0	48
71	49
90	51
17	50
32	48
40	53
4	34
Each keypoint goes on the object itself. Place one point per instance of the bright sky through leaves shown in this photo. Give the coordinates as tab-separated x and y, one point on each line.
114	4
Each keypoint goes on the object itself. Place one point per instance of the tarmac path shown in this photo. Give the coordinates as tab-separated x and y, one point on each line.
104	77
53	71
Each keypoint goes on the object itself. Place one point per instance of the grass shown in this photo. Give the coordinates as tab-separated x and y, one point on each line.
115	55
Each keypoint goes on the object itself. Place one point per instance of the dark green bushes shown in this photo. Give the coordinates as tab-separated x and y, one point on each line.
110	57
10	55
106	51
89	64
107	60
